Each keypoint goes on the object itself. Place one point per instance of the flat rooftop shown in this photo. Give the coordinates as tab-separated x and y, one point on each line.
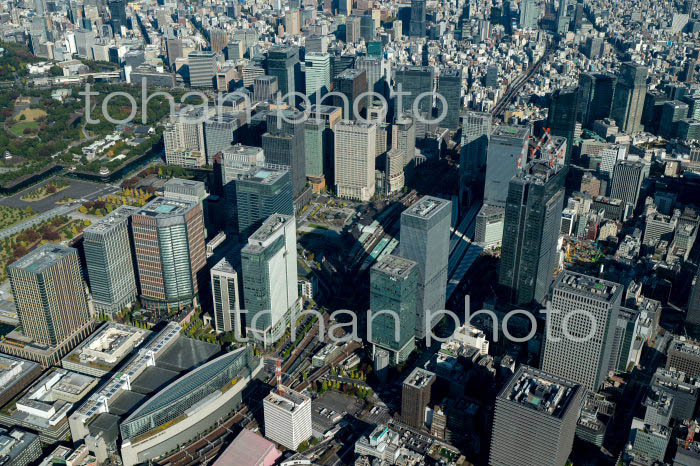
263	175
419	378
162	207
42	257
257	241
108	346
590	286
350	73
114	219
685	346
286	398
13	370
394	266
540	391
511	131
426	207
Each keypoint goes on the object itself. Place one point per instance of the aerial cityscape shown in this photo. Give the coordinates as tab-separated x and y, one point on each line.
349	232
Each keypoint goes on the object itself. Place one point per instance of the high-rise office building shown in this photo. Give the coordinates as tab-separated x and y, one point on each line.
529	14
476	131
424	239
184	142
561	118
351	83
378	73
628	100
530	232
261	192
415	397
174	50
627	181
417	25
283	144
353	29
168	238
109	260
292	21
287	417
202	68
235	162
414	80
609	156
535	419
693	314
403	137
684	355
450	87
264	88
281	63
117	11
227	300
318	74
580	350
219	133
563	17
269	265
218	39
49	292
507	152
394	286
672	112
595	97
319	142
368	28
355	153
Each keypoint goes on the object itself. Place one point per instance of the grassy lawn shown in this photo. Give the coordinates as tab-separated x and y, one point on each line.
18	128
9	215
30	114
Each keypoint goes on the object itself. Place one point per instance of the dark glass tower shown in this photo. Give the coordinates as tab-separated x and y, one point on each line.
261	193
532	220
281	63
417	26
283	144
595	97
628	101
561	118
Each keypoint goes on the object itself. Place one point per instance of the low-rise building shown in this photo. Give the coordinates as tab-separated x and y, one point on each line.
44	407
105	349
18	447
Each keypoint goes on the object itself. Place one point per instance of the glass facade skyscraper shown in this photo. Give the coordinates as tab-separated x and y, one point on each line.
109	260
394	287
169	242
414	80
260	193
281	63
425	239
269	264
530	232
283	144
628	100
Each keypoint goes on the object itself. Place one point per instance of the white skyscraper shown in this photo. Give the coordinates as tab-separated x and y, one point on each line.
355	147
287	417
184	141
318	73
582	353
269	263
224	287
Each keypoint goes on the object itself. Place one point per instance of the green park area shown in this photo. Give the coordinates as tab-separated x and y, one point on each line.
54	230
10	216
